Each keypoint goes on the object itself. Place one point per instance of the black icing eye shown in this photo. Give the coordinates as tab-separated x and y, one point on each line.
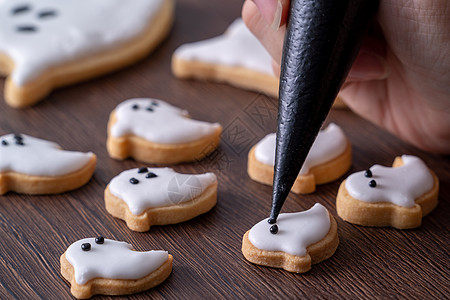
4	143
47	14
142	170
85	246
368	173
150	109
151	175
135	107
154	103
20	9
99	240
18	137
134	180
26	28
274	229
372	183
19	142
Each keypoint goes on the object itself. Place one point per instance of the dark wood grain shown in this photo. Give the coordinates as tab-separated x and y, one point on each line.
369	263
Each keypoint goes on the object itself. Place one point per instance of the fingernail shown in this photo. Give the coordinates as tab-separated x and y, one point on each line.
277	17
369	66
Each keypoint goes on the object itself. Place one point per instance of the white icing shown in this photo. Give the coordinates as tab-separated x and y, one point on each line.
166	124
39	157
400	185
329	144
112	260
168	188
296	231
238	47
79	28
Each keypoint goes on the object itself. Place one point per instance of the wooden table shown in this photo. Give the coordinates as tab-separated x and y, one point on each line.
369	263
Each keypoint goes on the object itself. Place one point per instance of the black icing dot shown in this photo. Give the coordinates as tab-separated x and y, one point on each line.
142	170
368	173
134	180
4	143
154	103
274	229
150	109
99	240
85	246
151	175
19	142
135	106
372	183
47	14
18	137
20	9
271	221
26	28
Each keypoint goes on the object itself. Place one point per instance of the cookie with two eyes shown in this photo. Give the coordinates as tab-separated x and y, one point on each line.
329	158
300	240
30	165
46	44
382	196
153	131
144	197
95	266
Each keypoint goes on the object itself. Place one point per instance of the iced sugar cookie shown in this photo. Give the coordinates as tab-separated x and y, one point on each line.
295	242
154	131
45	44
236	57
157	196
34	166
381	196
329	158
103	266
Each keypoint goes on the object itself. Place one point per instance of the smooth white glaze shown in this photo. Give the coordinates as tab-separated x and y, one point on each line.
237	47
330	143
112	260
39	157
166	124
168	188
400	185
296	231
79	28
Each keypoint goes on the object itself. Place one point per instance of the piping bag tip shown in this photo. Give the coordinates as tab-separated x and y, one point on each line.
322	40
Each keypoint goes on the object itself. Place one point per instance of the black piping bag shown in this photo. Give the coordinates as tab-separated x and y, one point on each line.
322	40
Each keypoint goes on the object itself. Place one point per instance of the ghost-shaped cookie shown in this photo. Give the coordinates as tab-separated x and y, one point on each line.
300	240
34	166
157	196
329	158
154	131
45	44
382	196
236	57
109	267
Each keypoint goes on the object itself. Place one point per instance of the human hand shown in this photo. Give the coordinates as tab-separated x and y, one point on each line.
400	79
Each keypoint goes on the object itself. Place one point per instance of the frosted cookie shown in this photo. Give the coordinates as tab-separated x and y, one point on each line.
45	44
157	196
381	196
154	131
295	242
34	166
329	158
236	57
101	266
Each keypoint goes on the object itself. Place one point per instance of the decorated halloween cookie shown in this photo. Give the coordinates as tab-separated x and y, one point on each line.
157	196
295	242
329	158
103	266
45	44
154	131
34	166
382	196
